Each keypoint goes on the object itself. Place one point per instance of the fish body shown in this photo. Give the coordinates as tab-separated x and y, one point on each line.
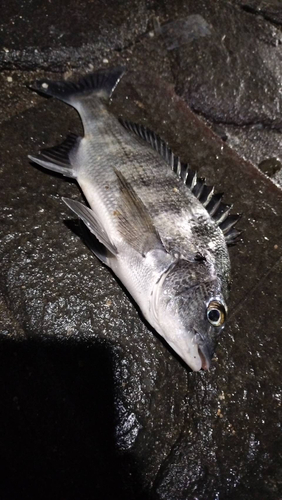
156	235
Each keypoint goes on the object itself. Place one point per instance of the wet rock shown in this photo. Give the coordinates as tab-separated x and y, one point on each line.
219	437
175	427
270	166
255	143
277	178
234	74
90	395
183	31
269	9
70	33
57	292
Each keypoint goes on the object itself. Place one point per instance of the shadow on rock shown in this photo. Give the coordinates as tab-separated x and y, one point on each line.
57	424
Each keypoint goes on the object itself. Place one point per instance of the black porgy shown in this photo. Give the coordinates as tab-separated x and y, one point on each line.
161	230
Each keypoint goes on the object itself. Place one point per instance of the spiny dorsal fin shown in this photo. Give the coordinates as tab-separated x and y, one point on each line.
136	225
206	195
232	236
222	213
58	157
212	202
229	222
198	188
181	169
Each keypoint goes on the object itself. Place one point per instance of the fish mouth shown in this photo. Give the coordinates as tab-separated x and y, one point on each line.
205	358
197	353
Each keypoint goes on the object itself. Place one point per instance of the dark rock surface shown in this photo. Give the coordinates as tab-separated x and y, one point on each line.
271	10
53	35
94	405
231	75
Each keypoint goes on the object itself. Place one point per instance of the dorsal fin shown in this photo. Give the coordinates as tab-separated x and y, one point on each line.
206	195
227	224
232	236
199	187
212	202
222	213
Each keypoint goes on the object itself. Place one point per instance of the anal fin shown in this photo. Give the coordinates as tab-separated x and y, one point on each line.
93	244
88	217
58	158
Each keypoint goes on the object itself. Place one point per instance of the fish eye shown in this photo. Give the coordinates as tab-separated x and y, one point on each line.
216	313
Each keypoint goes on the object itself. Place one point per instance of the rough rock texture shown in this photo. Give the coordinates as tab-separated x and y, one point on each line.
269	9
94	405
233	74
53	35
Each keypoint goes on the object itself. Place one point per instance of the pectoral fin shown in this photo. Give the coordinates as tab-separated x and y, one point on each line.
135	223
88	217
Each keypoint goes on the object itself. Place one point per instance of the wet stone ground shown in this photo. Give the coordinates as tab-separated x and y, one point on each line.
93	404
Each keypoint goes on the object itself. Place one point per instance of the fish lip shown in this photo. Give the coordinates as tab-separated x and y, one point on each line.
205	348
205	357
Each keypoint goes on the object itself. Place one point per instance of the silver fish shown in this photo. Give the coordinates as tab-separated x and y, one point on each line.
163	231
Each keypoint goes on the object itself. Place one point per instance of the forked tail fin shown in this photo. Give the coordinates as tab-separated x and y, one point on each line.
99	85
102	83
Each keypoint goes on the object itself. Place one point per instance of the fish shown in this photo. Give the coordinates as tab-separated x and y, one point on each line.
161	229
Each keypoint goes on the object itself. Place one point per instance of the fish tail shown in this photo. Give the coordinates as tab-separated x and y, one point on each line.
101	83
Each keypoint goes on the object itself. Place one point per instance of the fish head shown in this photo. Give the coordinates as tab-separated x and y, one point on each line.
190	309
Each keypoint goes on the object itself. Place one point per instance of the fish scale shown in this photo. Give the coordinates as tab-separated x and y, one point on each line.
142	168
154	232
